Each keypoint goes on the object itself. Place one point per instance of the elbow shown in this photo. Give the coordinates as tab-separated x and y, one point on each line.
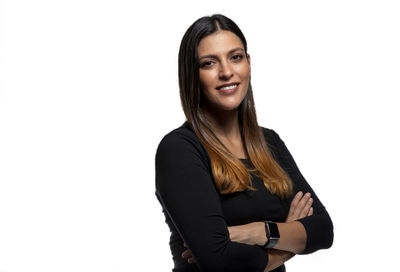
222	265
325	232
214	264
319	233
214	267
329	234
234	257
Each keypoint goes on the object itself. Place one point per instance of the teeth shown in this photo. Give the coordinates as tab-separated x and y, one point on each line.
228	87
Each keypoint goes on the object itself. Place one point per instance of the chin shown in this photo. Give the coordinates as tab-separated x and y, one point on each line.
226	104
228	107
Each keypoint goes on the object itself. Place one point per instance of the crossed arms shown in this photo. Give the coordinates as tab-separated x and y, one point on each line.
292	240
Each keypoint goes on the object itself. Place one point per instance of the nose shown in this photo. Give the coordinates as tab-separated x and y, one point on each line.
225	71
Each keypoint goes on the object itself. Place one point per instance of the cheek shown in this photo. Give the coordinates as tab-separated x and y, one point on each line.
205	86
207	79
245	73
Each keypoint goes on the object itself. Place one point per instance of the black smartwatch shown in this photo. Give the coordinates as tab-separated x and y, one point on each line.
272	232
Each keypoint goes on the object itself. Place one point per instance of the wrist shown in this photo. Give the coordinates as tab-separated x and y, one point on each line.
260	234
250	233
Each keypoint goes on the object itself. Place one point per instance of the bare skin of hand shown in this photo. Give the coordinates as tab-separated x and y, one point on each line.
276	258
188	254
254	233
300	207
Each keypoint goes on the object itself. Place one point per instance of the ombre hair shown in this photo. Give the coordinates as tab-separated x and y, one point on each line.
230	174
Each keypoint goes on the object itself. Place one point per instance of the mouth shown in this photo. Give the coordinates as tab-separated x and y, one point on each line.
228	88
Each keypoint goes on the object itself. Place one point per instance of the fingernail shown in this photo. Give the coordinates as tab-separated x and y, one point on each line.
299	193
311	200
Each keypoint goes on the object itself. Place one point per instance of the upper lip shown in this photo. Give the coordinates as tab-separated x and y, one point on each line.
228	84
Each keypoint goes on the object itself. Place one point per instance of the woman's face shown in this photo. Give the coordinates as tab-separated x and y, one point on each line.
224	70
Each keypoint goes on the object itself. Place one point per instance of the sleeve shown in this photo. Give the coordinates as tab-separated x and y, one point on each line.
186	190
319	227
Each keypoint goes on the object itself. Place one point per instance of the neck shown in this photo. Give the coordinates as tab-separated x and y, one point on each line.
225	124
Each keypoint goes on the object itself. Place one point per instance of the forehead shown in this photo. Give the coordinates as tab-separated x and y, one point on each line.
219	43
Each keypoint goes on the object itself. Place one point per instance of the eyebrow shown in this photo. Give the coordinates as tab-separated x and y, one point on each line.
215	56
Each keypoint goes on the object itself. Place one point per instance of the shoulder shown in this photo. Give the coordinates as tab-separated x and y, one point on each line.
268	132
178	136
271	137
274	142
181	141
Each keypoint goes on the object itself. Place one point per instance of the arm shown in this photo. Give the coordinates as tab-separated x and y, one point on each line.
306	234
318	227
299	234
254	233
293	236
277	258
186	190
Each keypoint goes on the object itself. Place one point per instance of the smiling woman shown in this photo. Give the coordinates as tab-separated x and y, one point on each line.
231	192
224	70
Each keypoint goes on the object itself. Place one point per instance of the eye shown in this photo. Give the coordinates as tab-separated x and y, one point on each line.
206	64
237	57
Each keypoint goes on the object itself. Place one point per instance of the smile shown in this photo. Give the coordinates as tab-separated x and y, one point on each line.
229	87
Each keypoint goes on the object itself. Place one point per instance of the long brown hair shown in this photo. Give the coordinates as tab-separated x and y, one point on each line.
230	174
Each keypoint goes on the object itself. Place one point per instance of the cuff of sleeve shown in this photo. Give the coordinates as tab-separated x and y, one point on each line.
319	230
266	259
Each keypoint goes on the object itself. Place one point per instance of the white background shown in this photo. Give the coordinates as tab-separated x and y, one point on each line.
89	88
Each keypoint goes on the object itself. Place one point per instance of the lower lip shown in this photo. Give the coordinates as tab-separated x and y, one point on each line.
230	90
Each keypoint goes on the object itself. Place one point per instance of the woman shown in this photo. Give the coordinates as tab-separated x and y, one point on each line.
231	193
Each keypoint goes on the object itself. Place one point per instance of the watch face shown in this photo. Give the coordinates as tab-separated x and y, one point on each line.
274	232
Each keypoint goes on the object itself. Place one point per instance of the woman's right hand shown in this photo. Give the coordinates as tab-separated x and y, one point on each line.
187	254
300	207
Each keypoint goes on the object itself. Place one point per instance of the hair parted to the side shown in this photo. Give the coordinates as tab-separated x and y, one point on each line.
230	174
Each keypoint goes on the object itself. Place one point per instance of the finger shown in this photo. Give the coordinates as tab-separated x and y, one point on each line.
294	203
191	260
306	208
301	204
310	212
186	254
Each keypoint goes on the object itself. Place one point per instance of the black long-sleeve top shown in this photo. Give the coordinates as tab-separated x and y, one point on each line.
199	215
